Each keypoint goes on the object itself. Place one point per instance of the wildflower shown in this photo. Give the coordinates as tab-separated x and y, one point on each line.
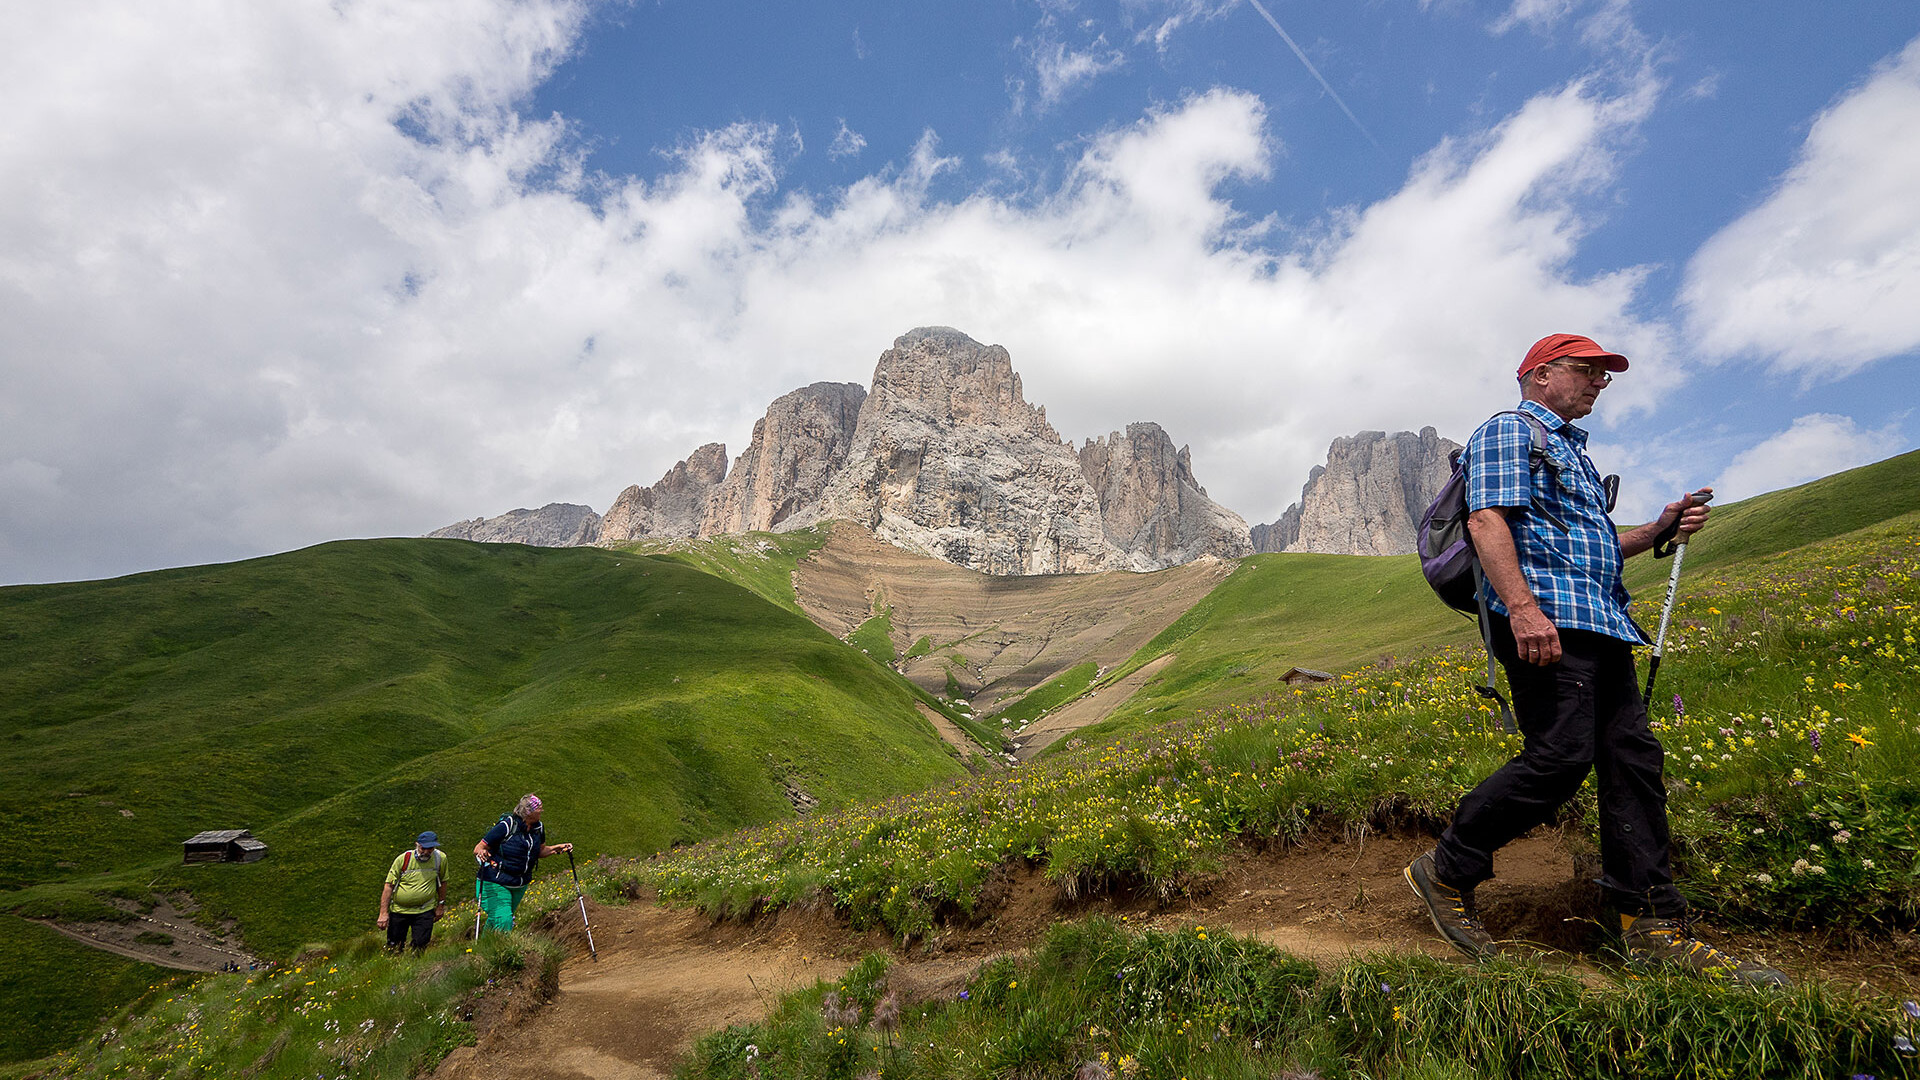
1679	707
1912	1009
1764	879
1813	738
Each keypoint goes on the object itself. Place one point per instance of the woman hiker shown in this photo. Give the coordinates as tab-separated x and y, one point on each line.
507	856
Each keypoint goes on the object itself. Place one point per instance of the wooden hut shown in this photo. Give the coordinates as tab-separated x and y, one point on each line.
1297	675
224	845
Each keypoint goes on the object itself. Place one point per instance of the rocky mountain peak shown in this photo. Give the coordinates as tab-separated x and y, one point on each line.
672	507
945	376
1367	499
1153	510
553	525
946	457
796	448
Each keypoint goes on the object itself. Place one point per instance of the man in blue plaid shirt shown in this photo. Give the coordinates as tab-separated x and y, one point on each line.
1552	561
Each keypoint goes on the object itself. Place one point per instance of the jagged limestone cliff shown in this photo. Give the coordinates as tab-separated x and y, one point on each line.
1153	510
948	459
1367	499
553	525
673	507
796	449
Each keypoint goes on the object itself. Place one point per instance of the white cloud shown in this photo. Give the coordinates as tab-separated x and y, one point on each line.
1159	20
1060	70
1816	445
1540	16
242	310
846	142
1823	277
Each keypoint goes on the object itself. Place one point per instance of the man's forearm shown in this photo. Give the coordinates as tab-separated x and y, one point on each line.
1639	539
386	897
1499	560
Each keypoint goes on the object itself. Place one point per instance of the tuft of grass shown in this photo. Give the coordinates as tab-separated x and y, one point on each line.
922	647
1098	1000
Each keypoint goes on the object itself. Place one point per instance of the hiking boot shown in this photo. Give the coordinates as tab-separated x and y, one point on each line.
1450	909
1651	940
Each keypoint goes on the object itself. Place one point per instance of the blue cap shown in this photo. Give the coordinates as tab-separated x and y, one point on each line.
428	839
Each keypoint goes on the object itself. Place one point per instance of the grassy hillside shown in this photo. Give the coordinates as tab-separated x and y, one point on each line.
1794	798
760	562
1783	520
339	699
92	984
1328	612
1339	612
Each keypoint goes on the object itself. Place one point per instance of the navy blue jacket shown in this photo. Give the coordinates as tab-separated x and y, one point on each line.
516	848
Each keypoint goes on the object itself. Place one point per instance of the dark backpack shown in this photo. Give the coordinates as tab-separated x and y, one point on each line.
1446	550
1447	557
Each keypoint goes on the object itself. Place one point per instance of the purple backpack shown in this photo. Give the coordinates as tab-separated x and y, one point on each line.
1446	550
1448	560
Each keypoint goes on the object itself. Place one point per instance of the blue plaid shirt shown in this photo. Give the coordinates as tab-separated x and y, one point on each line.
1569	551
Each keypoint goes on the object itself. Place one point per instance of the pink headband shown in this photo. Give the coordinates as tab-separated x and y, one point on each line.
533	802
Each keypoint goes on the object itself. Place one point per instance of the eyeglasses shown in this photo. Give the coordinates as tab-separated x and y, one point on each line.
1590	372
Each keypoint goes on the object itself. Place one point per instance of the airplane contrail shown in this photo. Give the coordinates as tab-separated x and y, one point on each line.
1288	38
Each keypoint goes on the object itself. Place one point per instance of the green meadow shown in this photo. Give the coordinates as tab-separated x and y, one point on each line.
338	700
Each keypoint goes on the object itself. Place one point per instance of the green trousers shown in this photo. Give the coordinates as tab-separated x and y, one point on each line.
499	902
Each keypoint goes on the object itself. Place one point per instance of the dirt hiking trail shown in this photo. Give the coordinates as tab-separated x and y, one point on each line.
666	977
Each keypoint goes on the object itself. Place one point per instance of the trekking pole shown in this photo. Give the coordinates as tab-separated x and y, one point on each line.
582	897
1673	586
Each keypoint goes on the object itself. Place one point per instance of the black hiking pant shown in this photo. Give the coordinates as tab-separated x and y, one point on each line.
1582	714
398	926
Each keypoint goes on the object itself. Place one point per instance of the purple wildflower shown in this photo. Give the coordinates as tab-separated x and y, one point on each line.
1911	1008
1679	707
963	995
1813	738
1903	1044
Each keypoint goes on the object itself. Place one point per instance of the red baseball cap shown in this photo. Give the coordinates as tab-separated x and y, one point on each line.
1568	347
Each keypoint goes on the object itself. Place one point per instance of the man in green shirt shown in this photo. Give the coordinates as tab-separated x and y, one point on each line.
415	894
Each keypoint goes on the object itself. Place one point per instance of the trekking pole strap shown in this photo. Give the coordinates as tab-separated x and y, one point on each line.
1491	690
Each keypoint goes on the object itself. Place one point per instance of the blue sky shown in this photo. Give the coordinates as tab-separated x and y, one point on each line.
365	268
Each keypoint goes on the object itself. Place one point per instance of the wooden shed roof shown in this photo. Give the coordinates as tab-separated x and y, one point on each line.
218	836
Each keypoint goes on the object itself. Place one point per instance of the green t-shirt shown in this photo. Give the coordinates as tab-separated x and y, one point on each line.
416	882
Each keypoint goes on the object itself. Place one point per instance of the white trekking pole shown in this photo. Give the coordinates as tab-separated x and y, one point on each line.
1673	587
582	897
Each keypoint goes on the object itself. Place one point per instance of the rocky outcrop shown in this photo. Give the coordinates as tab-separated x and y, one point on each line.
944	457
553	525
672	508
1152	508
796	449
948	459
1367	499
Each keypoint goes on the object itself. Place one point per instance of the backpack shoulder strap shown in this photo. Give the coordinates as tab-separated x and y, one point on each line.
406	860
1537	433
